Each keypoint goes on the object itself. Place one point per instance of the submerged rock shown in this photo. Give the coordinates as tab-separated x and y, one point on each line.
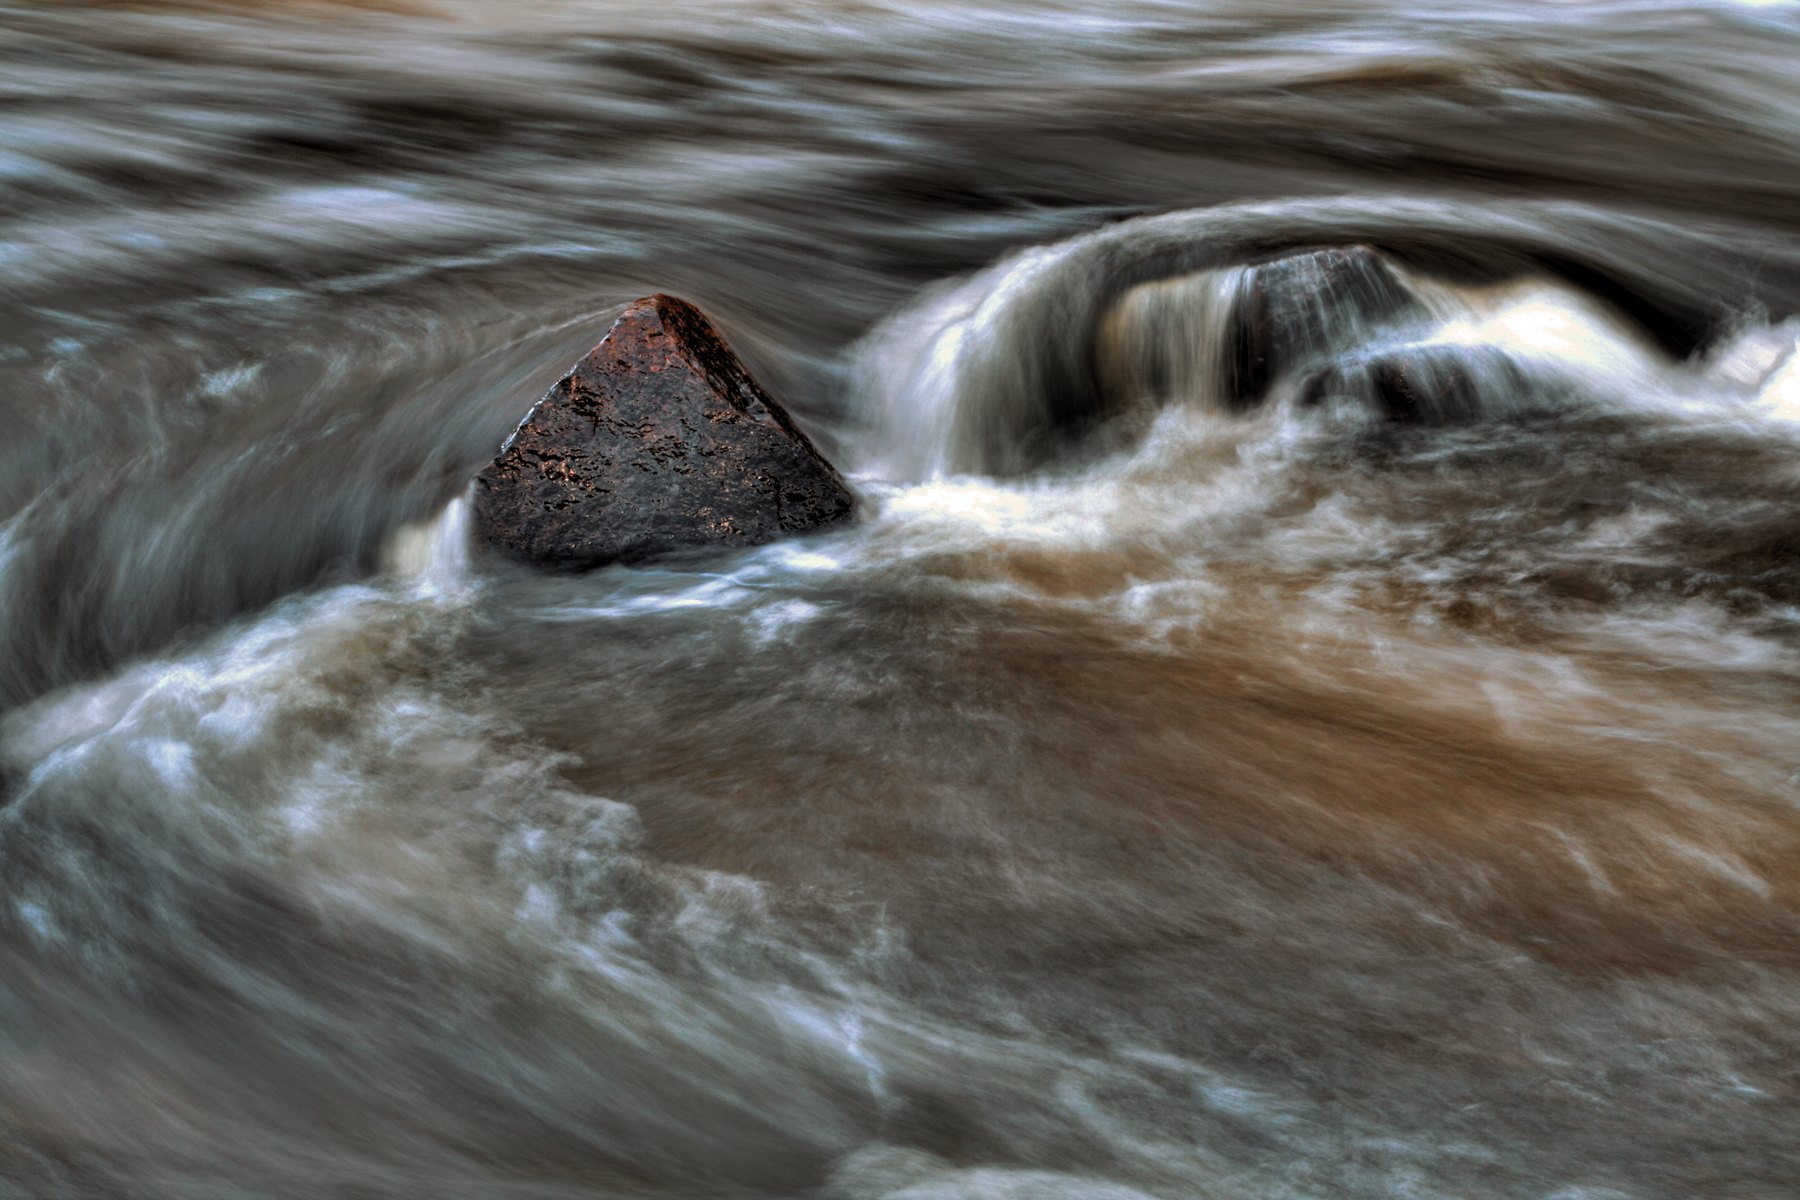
1433	385
657	441
1299	309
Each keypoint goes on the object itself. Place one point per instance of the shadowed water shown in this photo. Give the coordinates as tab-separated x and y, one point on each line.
1368	770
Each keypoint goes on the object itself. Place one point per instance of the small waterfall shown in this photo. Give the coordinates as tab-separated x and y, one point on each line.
1167	341
433	556
1024	364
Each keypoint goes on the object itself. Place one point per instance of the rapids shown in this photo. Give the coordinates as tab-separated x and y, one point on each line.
1161	791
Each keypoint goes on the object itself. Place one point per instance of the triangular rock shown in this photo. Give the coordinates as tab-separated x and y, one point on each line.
658	440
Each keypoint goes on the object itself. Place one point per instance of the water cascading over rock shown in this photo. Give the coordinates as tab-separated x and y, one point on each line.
1337	324
1431	384
658	441
1298	310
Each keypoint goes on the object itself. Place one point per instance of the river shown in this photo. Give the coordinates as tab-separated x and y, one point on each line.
1160	790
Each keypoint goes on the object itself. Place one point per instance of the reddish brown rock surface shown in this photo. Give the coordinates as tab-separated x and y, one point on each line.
657	441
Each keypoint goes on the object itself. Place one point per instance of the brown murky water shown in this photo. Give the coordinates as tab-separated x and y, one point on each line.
1154	794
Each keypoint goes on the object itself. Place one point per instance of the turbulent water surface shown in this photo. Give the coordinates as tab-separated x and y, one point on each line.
1187	778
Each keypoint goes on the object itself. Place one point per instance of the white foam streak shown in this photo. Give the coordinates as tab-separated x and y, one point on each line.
1537	319
1779	397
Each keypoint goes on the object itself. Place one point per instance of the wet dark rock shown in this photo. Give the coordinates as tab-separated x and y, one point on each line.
1432	384
1299	309
657	441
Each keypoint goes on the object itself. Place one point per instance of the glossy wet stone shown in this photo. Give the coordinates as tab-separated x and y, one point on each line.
1303	308
657	441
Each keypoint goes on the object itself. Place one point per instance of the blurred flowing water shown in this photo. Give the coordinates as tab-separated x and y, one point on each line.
1152	795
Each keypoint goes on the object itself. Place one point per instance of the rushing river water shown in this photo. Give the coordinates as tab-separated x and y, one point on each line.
1168	787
